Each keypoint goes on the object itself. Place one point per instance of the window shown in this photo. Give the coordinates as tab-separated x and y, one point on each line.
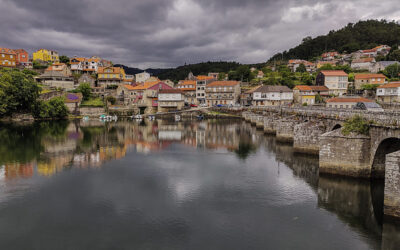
11	56
2	55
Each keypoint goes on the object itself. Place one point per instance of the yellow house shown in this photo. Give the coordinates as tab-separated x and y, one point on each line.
46	55
110	76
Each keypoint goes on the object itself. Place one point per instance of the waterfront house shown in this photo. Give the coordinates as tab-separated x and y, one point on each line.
170	100
142	77
345	102
72	101
362	79
201	83
188	87
335	80
8	58
46	55
222	92
388	93
272	96
305	94
109	76
363	63
246	98
126	94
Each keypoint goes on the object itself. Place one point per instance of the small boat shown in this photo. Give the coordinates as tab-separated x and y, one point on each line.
177	118
103	117
200	117
152	117
137	117
85	118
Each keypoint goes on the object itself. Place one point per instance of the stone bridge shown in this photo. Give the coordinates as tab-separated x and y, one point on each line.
318	131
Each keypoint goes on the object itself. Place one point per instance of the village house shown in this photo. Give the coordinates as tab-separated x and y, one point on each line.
382	50
272	96
201	83
246	98
214	75
72	101
8	58
323	63
222	92
305	94
56	79
345	102
126	94
293	64
22	58
260	74
381	65
45	55
60	67
329	56
335	80
388	93
170	100
142	77
361	79
76	64
363	63
108	76
188	87
91	65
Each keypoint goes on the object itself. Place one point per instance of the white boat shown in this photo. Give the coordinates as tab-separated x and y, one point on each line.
177	118
137	117
85	118
152	117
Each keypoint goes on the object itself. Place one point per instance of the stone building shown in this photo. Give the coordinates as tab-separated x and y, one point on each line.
345	102
223	93
362	79
189	90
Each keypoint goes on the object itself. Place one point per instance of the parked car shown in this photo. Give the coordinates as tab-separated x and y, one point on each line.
370	106
203	105
220	105
193	105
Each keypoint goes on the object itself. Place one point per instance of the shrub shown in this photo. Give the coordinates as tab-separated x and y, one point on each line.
356	124
305	104
52	109
111	99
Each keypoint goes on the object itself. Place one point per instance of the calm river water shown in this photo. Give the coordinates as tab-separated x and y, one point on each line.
169	185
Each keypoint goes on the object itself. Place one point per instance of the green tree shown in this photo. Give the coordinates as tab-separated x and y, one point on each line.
64	59
394	55
221	76
111	99
301	68
53	109
392	71
86	91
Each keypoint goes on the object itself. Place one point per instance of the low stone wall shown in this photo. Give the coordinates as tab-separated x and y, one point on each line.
392	185
92	111
284	130
344	155
269	125
306	137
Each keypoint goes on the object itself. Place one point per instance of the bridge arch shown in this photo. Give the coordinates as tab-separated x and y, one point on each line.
336	126
386	146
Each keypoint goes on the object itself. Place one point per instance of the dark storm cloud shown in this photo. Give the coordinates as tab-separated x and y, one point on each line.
163	33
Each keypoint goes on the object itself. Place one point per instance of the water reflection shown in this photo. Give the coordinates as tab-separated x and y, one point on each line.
227	165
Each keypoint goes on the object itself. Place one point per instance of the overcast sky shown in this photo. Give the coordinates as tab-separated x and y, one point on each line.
165	33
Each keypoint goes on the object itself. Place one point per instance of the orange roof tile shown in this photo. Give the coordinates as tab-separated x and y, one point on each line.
187	82
7	51
334	73
129	87
223	83
368	76
363	60
390	85
201	77
144	86
303	88
349	99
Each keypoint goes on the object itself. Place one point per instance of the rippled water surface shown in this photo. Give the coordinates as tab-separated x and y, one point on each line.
168	185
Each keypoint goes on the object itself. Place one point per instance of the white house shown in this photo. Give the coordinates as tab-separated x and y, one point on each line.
335	80
388	93
170	99
142	77
363	63
272	96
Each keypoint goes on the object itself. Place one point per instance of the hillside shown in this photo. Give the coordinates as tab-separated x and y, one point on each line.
353	37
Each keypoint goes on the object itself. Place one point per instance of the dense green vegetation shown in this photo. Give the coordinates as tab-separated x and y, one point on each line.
52	109
18	91
353	37
93	102
356	124
182	72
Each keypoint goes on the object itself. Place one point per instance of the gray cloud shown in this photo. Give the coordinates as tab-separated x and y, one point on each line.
163	33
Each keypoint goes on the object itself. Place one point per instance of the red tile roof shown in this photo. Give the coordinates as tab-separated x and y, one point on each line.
349	99
334	73
368	76
390	85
